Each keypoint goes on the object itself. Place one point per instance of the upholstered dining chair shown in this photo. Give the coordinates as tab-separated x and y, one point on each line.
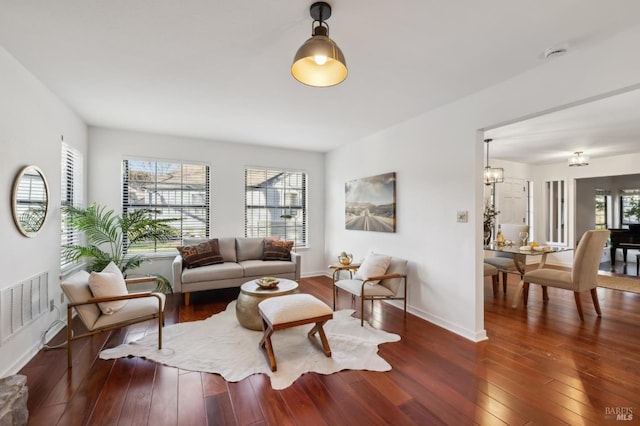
582	277
129	308
492	271
379	277
505	262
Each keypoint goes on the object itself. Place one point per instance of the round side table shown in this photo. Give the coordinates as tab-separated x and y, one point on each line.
251	294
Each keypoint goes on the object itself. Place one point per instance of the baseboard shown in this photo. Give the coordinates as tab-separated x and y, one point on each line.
31	352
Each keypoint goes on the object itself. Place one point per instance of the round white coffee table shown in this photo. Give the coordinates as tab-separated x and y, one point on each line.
251	294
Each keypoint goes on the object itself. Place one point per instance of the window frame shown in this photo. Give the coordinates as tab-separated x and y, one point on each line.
625	195
71	194
278	218
164	248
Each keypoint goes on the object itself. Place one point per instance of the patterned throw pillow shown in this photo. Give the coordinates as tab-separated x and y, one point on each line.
277	250
201	254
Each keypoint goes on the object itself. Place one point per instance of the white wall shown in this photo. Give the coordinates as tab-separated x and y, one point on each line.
32	122
228	161
438	158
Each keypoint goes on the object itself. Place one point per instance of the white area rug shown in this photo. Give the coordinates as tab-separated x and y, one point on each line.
221	345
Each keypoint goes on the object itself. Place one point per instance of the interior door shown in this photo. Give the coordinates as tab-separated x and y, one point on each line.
512	201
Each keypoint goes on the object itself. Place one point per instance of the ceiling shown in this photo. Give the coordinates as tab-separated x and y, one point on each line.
220	70
601	128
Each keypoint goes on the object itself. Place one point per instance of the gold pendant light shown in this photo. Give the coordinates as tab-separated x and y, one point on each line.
319	62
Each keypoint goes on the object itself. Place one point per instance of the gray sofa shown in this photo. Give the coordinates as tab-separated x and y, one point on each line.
242	262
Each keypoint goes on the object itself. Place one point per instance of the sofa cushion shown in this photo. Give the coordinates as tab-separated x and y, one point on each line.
109	283
219	271
201	254
251	248
227	246
261	268
277	250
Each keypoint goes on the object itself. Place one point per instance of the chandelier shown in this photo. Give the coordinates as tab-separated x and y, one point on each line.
492	174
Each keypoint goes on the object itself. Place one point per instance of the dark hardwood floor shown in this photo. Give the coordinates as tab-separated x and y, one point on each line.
541	365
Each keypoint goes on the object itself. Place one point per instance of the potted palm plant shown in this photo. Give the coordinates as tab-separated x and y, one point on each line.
105	231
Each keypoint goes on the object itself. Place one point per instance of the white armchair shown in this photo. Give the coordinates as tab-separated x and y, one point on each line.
384	285
137	307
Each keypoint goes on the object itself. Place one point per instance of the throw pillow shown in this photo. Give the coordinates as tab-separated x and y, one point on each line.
201	254
277	250
109	283
374	265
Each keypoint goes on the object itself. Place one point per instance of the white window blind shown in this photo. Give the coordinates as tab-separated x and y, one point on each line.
276	204
172	190
71	195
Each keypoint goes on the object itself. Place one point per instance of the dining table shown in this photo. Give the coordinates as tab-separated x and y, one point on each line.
520	254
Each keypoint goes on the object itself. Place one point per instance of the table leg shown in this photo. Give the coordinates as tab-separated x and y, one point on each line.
518	294
517	297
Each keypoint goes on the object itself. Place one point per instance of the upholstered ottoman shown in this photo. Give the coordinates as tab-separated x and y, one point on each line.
292	310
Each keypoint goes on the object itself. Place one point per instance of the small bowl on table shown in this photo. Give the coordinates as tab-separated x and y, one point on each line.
267	282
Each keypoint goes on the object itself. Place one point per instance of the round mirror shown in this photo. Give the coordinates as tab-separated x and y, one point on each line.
30	200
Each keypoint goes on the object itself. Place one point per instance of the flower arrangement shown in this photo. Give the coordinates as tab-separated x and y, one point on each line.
490	214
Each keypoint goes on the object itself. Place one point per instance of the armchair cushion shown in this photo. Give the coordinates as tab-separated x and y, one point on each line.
355	287
109	283
277	250
136	308
374	265
76	288
201	254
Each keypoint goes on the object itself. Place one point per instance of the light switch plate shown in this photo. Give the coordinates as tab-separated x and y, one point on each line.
462	216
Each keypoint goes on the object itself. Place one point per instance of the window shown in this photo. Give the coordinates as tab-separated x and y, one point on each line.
276	204
556	217
602	209
172	190
71	195
630	206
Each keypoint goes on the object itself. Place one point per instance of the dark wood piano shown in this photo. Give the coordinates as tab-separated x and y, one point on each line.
624	239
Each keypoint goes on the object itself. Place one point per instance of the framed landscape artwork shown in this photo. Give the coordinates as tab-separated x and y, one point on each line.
370	203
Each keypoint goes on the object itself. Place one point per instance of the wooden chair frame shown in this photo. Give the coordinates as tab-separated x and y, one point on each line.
351	268
159	315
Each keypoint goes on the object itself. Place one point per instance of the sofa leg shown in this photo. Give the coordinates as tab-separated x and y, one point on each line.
186	298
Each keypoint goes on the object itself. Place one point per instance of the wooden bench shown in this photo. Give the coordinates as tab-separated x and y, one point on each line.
292	310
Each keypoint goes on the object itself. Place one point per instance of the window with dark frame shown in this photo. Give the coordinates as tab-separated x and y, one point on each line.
602	209
276	204
629	207
171	189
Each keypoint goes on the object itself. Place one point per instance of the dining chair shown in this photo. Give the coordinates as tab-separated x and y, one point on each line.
505	262
135	307
492	271
582	277
384	284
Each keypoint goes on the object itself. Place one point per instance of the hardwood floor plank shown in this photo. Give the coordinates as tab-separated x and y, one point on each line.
164	401
111	399
213	384
219	411
300	405
191	407
137	404
244	402
273	407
